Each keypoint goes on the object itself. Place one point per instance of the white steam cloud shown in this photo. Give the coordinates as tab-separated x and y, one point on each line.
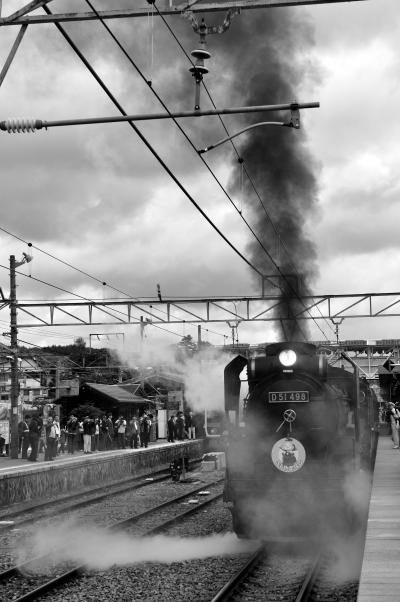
202	374
78	544
204	380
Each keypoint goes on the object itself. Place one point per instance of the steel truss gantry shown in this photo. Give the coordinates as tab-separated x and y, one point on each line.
164	7
263	308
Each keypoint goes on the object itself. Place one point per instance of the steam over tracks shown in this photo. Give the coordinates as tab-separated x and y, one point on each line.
58	548
189	563
15	528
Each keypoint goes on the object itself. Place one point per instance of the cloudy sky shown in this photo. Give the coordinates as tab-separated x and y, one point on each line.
95	197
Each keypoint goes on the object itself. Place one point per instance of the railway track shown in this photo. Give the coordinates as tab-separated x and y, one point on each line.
47	508
25	583
270	575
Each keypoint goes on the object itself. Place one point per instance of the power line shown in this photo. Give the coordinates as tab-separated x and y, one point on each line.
127	295
127	55
109	93
87	299
240	160
101	83
141	74
147	143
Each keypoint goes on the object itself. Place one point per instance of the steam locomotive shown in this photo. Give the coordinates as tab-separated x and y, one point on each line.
298	446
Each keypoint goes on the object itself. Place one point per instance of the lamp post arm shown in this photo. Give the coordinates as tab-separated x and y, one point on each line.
246	129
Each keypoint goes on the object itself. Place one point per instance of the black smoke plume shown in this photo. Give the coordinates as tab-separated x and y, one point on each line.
268	54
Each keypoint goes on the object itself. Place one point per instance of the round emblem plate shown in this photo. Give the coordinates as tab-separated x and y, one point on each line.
288	455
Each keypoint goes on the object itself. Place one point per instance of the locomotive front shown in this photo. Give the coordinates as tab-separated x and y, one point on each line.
290	451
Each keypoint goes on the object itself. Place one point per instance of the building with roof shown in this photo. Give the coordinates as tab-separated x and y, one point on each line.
117	399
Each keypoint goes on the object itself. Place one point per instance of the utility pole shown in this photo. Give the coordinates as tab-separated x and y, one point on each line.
14	363
13	448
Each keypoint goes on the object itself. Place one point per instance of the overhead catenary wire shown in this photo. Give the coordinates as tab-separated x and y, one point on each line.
152	150
95	278
125	293
143	77
127	55
87	299
239	158
148	145
89	3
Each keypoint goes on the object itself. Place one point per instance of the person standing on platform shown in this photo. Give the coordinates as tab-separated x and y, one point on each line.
110	432
96	436
120	427
24	430
72	431
79	437
103	442
133	433
180	427
42	438
171	429
22	425
35	427
88	430
394	423
145	427
63	438
57	430
51	440
189	426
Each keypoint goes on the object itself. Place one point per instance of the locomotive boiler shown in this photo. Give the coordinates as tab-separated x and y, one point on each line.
297	447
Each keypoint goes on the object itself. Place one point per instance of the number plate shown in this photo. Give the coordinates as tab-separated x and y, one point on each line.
288	396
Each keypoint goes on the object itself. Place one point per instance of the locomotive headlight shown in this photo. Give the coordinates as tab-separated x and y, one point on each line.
287	357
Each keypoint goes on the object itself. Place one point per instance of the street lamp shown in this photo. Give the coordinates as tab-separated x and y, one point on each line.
14	350
294	122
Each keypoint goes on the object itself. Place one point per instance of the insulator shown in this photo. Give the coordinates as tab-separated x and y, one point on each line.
198	70
200	53
18	126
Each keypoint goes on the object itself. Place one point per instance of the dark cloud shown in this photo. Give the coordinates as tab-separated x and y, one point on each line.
97	197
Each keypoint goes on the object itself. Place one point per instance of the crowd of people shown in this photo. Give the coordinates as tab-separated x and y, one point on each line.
92	434
181	427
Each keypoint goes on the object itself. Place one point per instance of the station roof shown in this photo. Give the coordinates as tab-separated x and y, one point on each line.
118	393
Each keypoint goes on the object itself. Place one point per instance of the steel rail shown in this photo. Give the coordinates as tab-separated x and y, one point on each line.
225	593
309	580
113	489
48	585
228	590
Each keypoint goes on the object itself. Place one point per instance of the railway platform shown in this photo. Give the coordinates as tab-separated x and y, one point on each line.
380	574
22	481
